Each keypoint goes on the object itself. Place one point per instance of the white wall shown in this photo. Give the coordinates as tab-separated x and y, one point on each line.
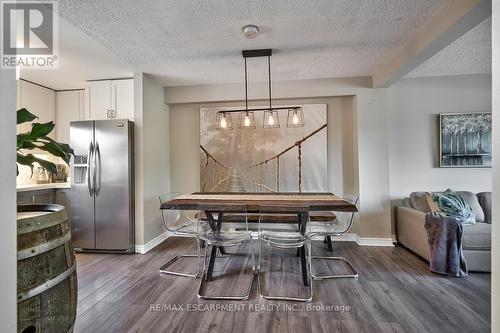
495	228
8	201
414	107
152	156
370	119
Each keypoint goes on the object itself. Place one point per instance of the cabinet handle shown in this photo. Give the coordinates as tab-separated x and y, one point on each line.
108	113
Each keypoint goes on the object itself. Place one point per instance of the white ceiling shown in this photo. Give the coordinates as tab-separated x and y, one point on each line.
469	54
199	42
81	58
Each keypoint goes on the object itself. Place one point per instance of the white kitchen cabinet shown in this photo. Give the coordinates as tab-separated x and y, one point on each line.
70	106
123	99
109	99
38	100
99	99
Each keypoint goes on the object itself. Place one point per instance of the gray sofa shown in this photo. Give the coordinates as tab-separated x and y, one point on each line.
476	239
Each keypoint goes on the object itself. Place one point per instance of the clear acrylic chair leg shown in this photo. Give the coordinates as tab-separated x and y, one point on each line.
242	297
281	297
354	273
195	274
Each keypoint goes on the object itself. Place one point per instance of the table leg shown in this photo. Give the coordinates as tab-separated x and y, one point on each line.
303	217
329	243
215	225
211	263
305	277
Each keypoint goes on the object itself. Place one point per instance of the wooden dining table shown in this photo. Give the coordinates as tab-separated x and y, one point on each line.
315	202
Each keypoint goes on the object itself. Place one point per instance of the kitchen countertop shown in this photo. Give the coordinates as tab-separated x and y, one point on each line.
35	187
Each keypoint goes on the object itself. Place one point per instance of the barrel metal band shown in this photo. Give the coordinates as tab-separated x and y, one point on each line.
41	222
21	297
36	250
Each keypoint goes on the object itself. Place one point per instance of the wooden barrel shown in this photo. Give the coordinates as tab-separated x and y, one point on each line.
46	270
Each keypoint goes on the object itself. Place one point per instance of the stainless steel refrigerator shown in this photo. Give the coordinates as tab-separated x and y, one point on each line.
102	186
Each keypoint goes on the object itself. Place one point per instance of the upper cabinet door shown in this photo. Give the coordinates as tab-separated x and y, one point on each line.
38	100
122	96
99	99
69	107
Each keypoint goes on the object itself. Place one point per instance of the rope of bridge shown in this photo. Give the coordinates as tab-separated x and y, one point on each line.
276	157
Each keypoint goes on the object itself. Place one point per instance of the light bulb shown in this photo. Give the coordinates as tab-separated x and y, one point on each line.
246	121
295	118
223	123
270	120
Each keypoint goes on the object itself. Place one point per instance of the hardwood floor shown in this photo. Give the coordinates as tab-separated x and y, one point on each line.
395	293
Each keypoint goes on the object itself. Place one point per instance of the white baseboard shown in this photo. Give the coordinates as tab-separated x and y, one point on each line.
368	241
362	241
143	249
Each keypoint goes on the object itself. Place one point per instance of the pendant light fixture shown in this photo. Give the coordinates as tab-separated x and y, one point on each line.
271	118
224	121
295	117
247	116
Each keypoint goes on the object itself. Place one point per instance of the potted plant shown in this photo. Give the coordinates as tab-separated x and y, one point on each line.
46	268
37	138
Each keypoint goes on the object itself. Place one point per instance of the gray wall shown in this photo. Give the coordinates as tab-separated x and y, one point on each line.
495	234
414	106
152	156
8	201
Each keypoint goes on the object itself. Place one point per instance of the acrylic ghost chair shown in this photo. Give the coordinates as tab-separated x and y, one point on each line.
224	226
181	223
280	228
339	226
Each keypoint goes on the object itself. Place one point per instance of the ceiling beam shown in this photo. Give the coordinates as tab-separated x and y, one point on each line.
451	22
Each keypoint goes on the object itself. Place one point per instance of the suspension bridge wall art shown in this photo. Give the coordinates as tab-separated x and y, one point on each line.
465	139
284	159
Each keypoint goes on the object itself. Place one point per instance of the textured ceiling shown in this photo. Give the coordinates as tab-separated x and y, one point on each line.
81	58
469	54
185	42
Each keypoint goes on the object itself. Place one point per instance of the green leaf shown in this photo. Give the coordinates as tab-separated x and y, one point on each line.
29	159
41	129
57	148
25	160
22	138
24	116
27	145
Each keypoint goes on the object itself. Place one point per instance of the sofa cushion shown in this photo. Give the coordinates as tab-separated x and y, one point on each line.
419	201
473	202
485	202
476	236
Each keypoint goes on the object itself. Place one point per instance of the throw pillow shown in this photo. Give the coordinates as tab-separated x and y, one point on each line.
453	205
433	206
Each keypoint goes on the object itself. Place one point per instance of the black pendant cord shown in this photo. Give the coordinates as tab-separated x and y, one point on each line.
246	87
269	69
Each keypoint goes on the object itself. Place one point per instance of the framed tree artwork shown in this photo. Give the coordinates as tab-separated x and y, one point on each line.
465	140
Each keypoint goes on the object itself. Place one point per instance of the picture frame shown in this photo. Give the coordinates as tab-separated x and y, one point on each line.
465	140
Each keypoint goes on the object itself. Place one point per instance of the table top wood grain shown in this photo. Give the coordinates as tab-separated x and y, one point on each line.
323	201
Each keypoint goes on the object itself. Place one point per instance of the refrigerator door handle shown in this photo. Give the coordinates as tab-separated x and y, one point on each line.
90	176
98	169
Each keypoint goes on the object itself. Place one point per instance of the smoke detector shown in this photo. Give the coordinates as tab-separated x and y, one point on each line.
250	31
